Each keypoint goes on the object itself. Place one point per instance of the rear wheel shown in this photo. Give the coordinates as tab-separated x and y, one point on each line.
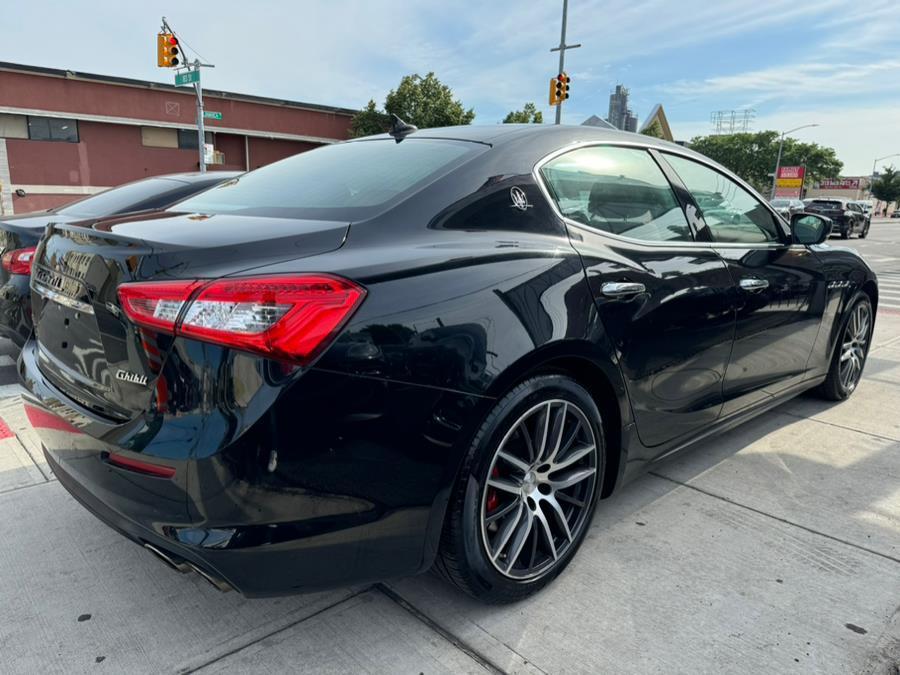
851	351
526	492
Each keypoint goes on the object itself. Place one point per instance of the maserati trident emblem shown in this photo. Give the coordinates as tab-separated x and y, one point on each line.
519	198
134	378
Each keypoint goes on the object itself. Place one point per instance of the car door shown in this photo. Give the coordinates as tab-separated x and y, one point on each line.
779	286
665	301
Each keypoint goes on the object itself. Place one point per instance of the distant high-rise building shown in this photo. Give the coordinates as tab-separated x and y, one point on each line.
620	115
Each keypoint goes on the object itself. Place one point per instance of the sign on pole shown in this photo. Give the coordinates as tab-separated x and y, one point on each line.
188	77
789	181
210	115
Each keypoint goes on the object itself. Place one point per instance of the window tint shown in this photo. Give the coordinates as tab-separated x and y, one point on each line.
617	190
342	181
730	211
130	197
52	129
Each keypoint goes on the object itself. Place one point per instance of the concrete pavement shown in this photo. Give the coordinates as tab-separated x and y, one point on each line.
773	548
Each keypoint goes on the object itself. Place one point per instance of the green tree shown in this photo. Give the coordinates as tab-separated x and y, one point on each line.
752	156
886	187
528	115
369	121
423	101
655	130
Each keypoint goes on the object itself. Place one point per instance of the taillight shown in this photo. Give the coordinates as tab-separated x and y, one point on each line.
283	317
156	304
18	261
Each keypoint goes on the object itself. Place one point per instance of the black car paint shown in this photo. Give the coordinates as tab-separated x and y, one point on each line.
289	479
26	230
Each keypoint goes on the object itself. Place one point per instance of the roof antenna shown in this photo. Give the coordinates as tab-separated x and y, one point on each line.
400	129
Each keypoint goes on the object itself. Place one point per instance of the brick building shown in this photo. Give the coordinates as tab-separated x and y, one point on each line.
65	134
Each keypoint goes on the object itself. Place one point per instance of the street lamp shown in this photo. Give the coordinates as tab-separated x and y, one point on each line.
780	146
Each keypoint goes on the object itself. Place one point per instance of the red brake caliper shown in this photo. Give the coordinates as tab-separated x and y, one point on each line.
493	499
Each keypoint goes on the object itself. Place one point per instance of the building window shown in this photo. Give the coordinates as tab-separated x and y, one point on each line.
52	129
187	139
154	137
13	126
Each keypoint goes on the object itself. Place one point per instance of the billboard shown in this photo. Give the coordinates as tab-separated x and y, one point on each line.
839	184
789	181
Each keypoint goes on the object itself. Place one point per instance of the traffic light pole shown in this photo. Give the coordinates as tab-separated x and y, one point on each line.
562	53
201	134
198	89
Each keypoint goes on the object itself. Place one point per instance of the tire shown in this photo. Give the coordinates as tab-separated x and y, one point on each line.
496	543
836	386
862	235
845	232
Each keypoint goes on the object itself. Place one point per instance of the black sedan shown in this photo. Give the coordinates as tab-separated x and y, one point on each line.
440	348
19	235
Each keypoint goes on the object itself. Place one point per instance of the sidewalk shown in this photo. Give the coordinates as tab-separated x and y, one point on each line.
774	548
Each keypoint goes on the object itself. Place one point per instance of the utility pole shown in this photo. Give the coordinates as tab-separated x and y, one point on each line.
562	52
192	73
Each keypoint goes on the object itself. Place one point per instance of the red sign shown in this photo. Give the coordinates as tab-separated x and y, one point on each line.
791	171
839	184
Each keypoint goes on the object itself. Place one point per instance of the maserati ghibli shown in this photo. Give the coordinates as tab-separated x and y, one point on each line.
434	348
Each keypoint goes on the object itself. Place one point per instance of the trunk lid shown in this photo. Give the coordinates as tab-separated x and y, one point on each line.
87	347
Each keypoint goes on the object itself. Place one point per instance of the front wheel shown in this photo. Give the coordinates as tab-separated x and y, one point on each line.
845	232
526	492
850	353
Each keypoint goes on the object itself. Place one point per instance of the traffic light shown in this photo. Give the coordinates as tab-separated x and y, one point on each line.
167	51
559	88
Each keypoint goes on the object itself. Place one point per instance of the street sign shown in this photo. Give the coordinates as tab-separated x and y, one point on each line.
210	115
188	77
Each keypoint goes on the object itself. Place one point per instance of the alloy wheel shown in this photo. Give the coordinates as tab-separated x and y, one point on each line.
853	346
540	488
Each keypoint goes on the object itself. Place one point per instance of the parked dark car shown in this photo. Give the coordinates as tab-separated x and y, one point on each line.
440	349
19	235
788	207
847	218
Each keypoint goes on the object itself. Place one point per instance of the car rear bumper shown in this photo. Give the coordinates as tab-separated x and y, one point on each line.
358	497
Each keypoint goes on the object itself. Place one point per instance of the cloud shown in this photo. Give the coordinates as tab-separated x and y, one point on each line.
798	80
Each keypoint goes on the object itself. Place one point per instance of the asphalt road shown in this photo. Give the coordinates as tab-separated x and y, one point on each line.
774	548
881	248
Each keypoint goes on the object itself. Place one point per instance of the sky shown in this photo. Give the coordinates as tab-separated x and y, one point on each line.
835	63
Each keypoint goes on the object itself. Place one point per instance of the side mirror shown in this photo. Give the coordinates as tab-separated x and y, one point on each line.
810	229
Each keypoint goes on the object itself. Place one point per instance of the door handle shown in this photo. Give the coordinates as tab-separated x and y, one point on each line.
754	285
622	289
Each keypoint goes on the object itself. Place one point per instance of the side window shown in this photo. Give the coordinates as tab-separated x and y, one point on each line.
732	214
618	190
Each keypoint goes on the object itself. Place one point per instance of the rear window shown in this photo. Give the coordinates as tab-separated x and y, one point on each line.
122	199
345	181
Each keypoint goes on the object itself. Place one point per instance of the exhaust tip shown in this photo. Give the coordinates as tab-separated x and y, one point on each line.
218	584
178	564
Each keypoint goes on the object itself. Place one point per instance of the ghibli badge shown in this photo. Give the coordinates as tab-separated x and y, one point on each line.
134	378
